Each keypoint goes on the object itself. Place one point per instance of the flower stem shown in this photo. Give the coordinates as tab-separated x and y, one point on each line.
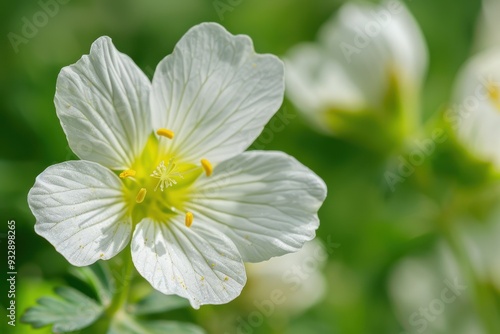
123	282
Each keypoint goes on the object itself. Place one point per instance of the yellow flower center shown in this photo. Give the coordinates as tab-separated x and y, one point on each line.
167	174
494	94
157	185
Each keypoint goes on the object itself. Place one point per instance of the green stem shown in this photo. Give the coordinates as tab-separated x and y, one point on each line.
123	283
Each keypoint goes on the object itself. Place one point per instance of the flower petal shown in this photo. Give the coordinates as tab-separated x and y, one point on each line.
215	93
103	104
316	82
371	41
79	208
476	114
196	263
487	35
266	202
275	274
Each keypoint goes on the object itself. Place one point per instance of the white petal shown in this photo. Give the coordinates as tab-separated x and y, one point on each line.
370	41
475	114
317	82
195	263
488	26
420	282
407	44
280	273
215	93
103	104
79	208
266	202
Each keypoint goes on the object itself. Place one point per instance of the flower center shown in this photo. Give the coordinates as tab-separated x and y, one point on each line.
166	174
494	94
154	170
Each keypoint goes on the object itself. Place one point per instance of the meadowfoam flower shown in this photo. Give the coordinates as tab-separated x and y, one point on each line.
163	167
475	115
429	294
363	73
297	276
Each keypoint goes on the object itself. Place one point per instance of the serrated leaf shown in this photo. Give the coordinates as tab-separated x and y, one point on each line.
99	278
129	325
71	312
157	302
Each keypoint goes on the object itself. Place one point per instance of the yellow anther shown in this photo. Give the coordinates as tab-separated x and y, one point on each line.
189	219
141	195
207	166
165	133
127	173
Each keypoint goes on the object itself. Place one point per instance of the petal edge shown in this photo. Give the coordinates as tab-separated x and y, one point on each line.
79	209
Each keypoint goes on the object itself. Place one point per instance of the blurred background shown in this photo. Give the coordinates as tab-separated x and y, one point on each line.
385	257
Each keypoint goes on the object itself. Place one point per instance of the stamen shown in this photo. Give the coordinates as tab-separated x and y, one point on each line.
166	174
127	173
141	195
189	219
207	166
165	133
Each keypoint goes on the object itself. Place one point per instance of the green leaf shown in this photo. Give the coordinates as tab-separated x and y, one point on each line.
157	302
172	327
71	312
128	325
99	278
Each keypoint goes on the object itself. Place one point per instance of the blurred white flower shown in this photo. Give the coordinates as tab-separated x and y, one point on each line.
430	295
475	114
165	160
367	58
487	35
297	276
481	243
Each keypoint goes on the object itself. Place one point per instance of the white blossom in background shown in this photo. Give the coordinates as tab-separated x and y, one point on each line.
429	294
364	54
480	239
475	112
164	167
297	277
487	35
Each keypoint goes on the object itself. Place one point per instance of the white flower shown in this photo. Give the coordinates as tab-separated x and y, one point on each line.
430	294
480	240
164	161
487	35
365	55
475	113
297	277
